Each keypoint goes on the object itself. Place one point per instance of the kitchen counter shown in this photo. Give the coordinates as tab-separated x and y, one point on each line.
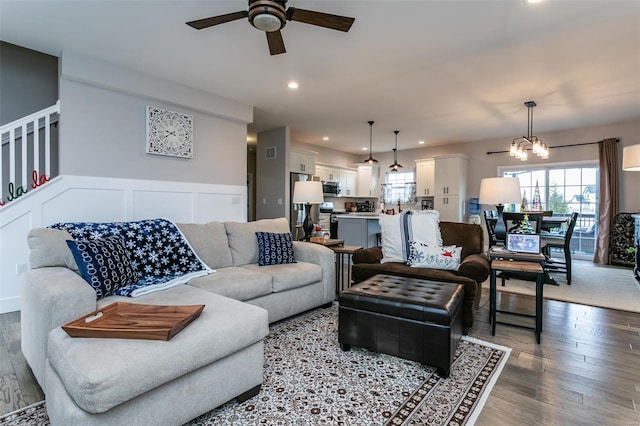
358	215
359	229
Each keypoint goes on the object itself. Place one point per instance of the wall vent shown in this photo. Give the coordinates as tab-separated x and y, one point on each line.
270	153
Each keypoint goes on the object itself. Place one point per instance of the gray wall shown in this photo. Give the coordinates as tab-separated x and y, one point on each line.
482	165
103	126
28	82
272	180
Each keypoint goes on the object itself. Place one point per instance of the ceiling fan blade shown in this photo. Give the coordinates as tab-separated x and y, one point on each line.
216	20
326	20
276	44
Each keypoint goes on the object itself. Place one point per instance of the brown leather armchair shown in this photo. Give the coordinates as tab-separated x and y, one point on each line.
472	272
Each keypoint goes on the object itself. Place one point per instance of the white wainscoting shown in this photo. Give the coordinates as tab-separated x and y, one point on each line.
97	199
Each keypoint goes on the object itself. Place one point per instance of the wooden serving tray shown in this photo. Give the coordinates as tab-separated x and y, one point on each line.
122	320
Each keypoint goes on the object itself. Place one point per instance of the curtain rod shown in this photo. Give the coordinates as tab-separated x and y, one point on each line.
559	146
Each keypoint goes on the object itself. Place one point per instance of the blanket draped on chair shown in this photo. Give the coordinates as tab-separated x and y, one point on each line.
159	252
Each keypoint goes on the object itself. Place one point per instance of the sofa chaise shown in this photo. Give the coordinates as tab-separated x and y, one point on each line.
216	358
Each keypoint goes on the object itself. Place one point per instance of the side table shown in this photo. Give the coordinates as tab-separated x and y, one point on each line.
340	252
525	266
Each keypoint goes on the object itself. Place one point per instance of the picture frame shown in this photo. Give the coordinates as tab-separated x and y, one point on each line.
523	243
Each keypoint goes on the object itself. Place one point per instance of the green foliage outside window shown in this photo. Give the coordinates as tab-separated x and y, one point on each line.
556	201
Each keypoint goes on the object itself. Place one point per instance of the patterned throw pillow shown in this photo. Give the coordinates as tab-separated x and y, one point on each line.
434	257
398	230
104	263
274	249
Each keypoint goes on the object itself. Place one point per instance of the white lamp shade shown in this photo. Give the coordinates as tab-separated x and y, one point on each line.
500	190
307	192
631	158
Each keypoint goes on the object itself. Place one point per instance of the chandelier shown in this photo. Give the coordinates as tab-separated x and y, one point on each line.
395	166
519	145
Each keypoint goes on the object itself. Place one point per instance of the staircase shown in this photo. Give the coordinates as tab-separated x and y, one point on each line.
28	153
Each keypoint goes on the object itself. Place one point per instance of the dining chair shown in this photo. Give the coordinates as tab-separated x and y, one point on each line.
490	222
513	221
563	242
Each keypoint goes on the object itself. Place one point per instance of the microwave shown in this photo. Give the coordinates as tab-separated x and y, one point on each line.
331	189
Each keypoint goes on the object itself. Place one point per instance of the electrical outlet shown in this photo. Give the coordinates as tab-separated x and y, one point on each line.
21	268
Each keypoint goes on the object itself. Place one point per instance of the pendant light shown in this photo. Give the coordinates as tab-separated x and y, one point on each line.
519	145
371	160
395	166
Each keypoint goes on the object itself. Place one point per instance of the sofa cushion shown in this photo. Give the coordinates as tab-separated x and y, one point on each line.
242	238
398	230
291	275
48	247
237	283
274	248
209	242
104	264
100	374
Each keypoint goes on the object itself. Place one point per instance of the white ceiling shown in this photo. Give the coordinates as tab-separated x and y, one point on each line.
440	71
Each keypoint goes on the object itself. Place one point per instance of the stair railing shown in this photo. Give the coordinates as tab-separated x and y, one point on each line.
22	158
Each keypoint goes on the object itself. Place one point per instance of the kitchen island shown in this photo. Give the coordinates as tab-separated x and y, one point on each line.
359	229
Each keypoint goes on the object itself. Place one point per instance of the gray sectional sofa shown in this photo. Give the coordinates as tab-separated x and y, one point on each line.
215	359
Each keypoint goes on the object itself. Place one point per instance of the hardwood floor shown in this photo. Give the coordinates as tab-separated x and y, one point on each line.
586	371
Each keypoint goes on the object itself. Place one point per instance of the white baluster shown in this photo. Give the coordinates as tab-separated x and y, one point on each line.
12	156
36	145
25	138
47	145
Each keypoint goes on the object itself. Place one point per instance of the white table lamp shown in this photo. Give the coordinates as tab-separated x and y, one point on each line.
631	158
307	193
500	191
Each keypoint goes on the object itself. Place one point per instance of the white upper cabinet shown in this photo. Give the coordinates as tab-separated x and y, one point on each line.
302	161
450	175
368	181
348	183
425	177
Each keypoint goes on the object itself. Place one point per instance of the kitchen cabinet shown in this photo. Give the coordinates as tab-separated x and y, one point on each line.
367	181
328	174
452	208
425	177
302	161
348	183
358	230
450	175
450	183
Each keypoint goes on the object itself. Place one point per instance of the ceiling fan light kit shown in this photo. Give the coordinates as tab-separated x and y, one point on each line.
371	160
519	146
271	16
395	166
266	15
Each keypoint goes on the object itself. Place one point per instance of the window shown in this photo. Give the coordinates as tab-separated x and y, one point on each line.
399	186
564	189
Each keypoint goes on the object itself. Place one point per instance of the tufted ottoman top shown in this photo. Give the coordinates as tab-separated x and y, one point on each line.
411	298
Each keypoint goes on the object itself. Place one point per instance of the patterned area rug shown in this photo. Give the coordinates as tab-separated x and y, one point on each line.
309	380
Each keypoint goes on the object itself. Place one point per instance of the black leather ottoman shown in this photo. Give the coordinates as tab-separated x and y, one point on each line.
413	319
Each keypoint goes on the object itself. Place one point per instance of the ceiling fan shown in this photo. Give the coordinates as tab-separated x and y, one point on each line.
271	16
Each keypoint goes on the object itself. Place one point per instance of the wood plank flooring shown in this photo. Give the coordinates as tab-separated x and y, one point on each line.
586	371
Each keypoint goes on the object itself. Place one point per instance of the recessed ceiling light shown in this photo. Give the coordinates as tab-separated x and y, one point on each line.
365	149
326	138
532	1
292	85
421	142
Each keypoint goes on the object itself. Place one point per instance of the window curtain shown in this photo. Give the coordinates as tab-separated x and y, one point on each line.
608	205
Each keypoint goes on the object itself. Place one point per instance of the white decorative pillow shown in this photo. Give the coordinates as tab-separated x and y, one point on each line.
434	257
398	230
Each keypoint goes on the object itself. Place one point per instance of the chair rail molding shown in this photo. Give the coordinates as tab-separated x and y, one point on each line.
97	199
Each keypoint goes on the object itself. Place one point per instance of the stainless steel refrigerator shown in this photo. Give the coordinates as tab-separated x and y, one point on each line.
297	215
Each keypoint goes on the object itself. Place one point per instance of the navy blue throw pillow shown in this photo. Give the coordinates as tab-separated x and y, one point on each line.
274	249
105	264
